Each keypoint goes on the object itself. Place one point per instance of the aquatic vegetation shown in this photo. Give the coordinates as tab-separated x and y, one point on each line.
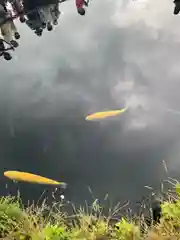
55	232
87	223
126	230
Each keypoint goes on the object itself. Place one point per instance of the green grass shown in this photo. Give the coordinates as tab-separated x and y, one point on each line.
89	223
